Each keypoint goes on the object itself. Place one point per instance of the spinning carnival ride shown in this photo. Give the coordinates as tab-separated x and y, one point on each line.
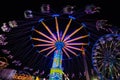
59	43
42	43
106	57
55	35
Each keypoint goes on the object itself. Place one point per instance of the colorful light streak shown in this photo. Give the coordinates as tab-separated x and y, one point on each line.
66	29
57	28
50	51
48	30
77	38
76	44
73	33
66	53
71	51
46	49
44	35
38	45
42	40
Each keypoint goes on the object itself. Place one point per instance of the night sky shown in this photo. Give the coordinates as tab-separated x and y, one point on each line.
14	9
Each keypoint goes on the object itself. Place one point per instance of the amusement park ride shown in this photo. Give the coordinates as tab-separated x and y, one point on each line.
59	37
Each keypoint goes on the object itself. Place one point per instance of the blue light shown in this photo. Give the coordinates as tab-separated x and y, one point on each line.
32	45
71	17
55	15
59	45
83	24
40	20
30	37
89	34
88	43
33	28
69	58
37	50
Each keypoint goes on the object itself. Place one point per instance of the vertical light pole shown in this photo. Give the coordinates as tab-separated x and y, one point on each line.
56	70
85	64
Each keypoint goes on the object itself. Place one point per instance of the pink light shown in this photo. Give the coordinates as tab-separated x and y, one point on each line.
73	33
42	40
57	28
66	53
44	35
66	29
46	49
50	51
70	51
48	30
81	37
76	44
74	48
39	45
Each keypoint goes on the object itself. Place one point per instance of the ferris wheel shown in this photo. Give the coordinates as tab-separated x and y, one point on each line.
56	37
67	39
59	32
106	57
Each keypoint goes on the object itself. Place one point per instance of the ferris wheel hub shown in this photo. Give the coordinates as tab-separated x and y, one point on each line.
59	45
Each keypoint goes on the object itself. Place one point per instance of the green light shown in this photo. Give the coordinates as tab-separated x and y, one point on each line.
57	70
94	78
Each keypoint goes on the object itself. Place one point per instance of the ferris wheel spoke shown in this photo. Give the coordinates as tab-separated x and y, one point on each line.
76	44
111	44
116	74
66	29
57	28
49	30
118	65
42	40
50	52
103	70
100	50
110	48
100	66
41	45
118	44
73	33
100	62
118	69
103	48
114	68
46	49
44	35
113	51
106	48
66	53
75	48
71	51
77	38
118	59
98	57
